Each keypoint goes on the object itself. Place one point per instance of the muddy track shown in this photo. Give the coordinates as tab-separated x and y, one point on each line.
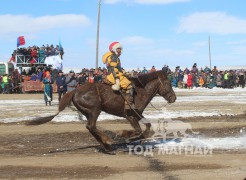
66	150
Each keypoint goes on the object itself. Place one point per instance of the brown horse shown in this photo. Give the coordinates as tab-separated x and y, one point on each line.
93	98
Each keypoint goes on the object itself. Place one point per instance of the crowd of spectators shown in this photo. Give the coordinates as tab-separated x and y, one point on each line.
10	82
206	77
37	54
180	78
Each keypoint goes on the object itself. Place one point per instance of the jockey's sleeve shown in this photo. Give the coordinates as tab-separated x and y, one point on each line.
114	58
119	68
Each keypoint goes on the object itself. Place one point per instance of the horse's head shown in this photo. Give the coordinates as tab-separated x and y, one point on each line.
158	82
165	88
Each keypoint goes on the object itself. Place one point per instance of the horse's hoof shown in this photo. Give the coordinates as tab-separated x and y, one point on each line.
110	152
126	134
127	140
135	138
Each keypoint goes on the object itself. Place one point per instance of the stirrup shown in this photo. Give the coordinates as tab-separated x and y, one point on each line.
129	104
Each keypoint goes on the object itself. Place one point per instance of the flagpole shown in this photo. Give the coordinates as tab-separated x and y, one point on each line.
98	25
16	59
209	49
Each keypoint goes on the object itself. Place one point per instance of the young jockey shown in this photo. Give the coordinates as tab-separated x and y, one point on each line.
116	75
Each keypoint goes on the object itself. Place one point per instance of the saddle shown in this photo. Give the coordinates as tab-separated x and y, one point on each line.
106	81
124	92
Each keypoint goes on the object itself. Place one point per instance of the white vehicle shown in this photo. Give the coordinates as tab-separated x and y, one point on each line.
6	68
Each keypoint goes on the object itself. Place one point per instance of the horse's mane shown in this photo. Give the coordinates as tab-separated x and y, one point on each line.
142	79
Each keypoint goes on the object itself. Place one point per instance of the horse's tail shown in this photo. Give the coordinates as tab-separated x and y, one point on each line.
64	102
41	120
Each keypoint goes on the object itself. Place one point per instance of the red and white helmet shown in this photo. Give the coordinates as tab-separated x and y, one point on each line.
115	45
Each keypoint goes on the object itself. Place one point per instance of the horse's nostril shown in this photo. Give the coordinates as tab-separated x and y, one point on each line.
172	99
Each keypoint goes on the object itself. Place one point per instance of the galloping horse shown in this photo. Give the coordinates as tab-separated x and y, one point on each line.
93	98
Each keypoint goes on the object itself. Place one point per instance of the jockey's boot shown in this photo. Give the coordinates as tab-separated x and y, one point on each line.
116	86
129	104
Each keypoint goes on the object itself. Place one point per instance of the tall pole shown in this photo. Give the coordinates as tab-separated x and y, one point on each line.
98	25
209	48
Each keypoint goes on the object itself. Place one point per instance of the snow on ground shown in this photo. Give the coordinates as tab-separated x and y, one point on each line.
187	98
205	143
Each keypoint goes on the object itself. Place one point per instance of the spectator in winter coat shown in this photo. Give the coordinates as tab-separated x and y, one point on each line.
153	69
82	78
71	81
165	69
174	82
206	69
61	84
201	81
241	77
219	80
195	79
41	54
16	80
226	80
40	75
215	70
185	79
144	71
48	92
186	71
5	81
1	84
189	81
33	77
91	78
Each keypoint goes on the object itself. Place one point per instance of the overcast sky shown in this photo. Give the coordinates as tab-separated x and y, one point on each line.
152	32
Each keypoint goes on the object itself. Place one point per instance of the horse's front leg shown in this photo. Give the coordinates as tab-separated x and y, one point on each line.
142	135
133	134
146	133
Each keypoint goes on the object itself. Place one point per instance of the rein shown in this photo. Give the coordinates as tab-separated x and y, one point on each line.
161	84
153	93
140	116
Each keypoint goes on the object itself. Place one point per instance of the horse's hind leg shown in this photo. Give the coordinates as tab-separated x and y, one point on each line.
101	137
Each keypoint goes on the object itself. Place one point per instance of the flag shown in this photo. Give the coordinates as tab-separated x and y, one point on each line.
54	61
60	46
12	58
20	41
61	49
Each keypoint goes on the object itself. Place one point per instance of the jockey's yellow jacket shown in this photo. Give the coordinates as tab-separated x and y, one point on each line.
115	70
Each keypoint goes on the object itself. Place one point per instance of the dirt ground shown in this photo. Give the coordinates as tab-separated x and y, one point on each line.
68	151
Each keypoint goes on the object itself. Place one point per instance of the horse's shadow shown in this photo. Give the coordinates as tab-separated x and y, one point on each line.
116	147
119	145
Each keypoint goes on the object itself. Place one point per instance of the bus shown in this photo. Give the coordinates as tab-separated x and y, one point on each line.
6	68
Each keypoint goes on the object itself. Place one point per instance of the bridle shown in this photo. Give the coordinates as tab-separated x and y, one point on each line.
161	84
